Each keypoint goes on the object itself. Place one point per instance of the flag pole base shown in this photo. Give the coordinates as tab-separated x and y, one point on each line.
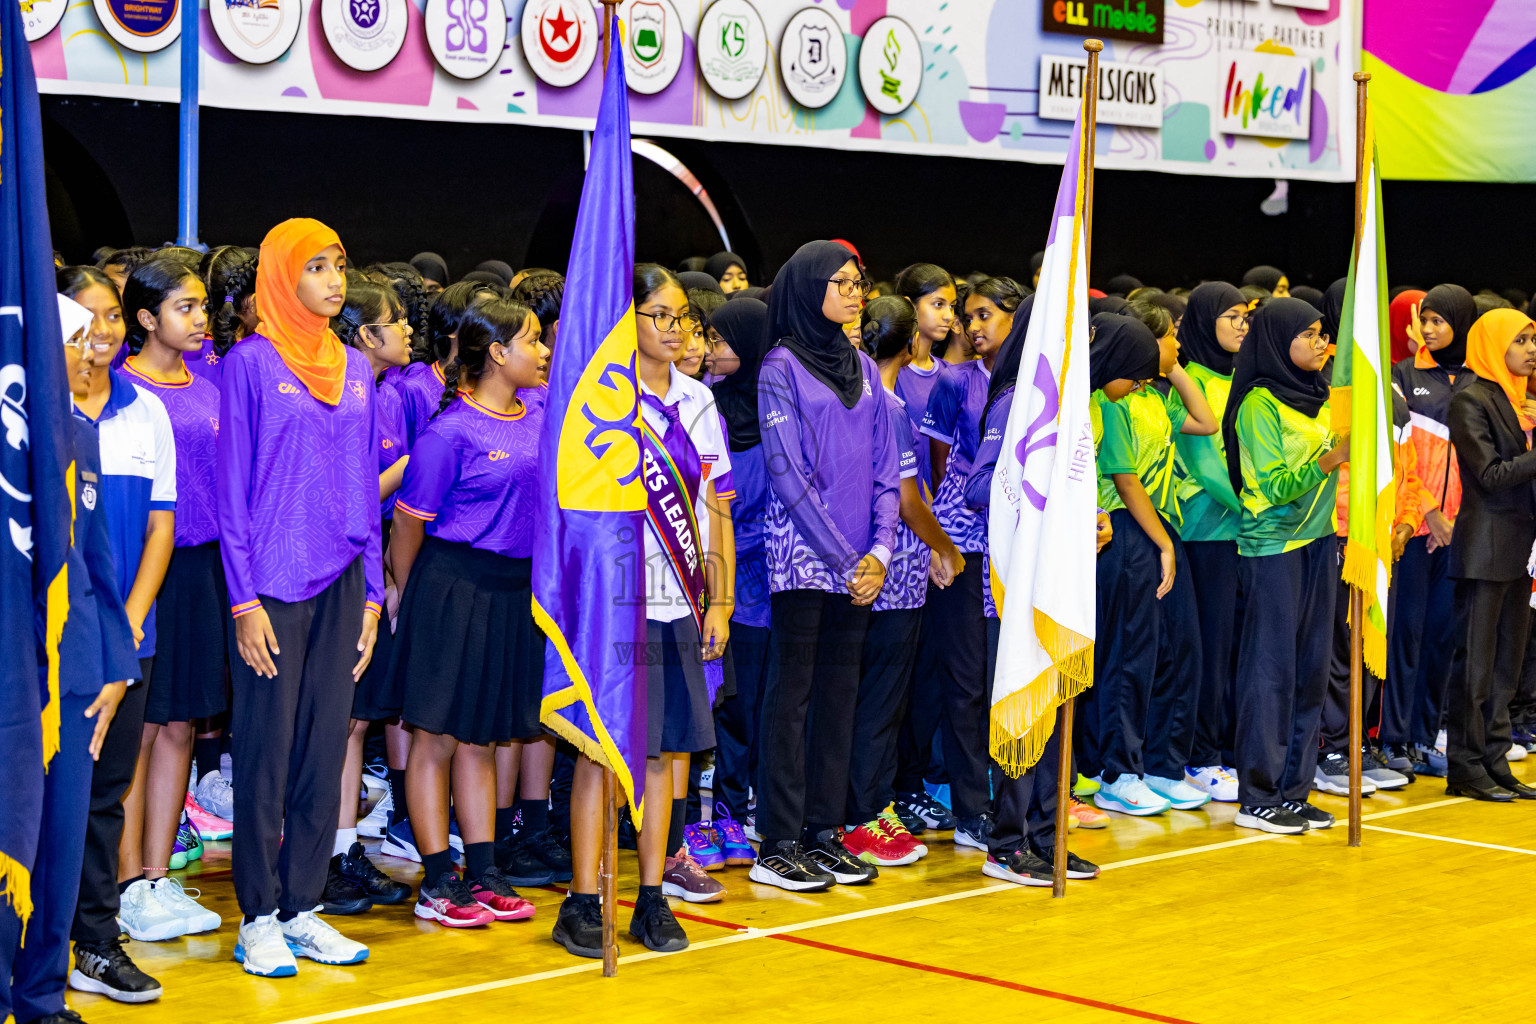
1063	798
607	875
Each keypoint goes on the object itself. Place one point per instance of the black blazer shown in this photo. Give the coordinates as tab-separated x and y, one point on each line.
1497	524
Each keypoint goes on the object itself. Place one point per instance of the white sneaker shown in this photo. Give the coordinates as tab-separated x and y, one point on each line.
307	935
173	897
1332	776
377	820
143	916
260	947
216	796
1516	753
373	786
1215	780
1129	795
1177	792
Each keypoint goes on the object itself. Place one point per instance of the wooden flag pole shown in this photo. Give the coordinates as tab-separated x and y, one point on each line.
1356	597
1064	725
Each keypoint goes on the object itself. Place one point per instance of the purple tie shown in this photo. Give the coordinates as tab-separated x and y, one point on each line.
678	444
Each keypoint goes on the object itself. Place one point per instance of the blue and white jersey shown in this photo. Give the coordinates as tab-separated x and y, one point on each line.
138	476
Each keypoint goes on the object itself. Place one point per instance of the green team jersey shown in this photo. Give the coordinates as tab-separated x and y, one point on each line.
1288	502
1135	435
1208	509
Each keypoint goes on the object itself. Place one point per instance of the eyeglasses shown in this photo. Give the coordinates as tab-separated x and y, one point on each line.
667	323
848	289
1239	321
99	347
403	324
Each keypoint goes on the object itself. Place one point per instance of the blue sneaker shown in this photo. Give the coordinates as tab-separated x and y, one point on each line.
729	835
1428	761
400	842
1525	735
1129	795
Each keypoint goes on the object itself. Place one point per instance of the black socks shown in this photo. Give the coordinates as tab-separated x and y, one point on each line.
478	859
504	819
675	826
436	865
535	813
205	751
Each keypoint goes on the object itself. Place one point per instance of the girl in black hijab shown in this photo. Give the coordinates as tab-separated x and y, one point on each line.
1214	326
729	269
698	279
1271	279
834	485
433	270
1281	460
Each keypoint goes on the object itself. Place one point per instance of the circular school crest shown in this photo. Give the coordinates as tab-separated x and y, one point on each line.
143	26
39	17
255	31
890	65
813	57
733	48
560	39
365	35
466	36
653	44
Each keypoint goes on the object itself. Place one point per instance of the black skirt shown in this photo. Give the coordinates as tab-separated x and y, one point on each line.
379	695
466	652
678	716
192	639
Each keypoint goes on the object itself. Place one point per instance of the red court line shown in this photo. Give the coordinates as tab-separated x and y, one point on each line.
983	979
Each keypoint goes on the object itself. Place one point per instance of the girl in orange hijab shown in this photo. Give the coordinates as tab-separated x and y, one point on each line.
1494	534
298	510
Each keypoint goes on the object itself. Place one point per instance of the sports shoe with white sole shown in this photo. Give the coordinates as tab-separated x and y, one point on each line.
260	947
1279	820
1021	867
1332	776
974	832
1374	768
173	897
1129	795
141	914
787	867
1215	779
1180	794
107	970
1315	817
1516	752
216	796
373	824
309	936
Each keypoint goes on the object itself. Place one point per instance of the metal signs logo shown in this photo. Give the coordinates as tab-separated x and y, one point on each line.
813	56
733	48
559	40
890	65
654	54
255	31
466	36
365	35
143	26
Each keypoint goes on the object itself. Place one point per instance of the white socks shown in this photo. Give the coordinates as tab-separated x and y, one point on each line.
345	837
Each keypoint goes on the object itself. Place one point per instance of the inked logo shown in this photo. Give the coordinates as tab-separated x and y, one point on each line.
1260	100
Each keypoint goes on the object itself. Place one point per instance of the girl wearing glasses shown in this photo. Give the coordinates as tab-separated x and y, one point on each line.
1214	326
1281	462
833	503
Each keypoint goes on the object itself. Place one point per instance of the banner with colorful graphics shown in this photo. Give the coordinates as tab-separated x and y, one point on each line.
1202	86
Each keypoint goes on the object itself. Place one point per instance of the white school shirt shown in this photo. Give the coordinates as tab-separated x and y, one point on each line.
665	598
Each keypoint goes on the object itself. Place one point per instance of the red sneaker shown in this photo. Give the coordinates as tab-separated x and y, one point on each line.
892	826
871	844
492	891
450	903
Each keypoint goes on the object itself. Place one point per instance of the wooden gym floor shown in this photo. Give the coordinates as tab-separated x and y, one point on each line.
1192	920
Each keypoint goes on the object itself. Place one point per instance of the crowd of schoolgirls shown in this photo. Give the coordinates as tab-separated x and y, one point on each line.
305	545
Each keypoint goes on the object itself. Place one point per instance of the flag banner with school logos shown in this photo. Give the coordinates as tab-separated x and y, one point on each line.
588	563
35	471
1363	365
1042	521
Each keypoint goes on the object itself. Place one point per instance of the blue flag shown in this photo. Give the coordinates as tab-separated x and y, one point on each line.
588	565
35	447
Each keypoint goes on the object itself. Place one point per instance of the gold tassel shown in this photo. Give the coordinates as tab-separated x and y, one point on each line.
1022	722
58	612
16	887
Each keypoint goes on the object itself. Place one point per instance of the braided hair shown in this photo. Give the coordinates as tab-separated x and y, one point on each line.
229	272
542	292
414	302
368	302
447	311
483	323
150	284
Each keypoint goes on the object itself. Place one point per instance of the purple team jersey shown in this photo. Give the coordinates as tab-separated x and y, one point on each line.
420	386
193	406
954	417
833	475
389	409
205	363
906	579
298	485
915	388
749	513
472	474
978	486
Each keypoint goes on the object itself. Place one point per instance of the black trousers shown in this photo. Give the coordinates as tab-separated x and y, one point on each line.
736	720
1282	670
1213	573
890	648
920	723
1174	700
1334	726
806	727
1421	648
1495	619
959	625
290	739
1522	707
1125	654
111	775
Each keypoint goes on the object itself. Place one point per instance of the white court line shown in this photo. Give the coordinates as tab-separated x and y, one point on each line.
820	922
1448	839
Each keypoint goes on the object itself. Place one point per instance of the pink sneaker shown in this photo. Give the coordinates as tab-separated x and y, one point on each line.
210	825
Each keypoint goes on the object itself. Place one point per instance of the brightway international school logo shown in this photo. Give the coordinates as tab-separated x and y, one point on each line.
654	34
560	39
255	31
365	35
733	48
466	36
814	57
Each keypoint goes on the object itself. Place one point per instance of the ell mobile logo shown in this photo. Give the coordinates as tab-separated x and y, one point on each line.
1139	21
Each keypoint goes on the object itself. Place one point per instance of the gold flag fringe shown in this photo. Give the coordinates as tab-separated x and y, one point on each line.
1360	573
16	888
57	612
1023	721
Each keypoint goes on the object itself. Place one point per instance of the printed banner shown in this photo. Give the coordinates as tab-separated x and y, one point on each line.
931	77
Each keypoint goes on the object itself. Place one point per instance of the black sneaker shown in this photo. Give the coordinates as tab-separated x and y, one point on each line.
579	926
925	810
1277	819
363	873
1077	867
654	925
342	896
974	832
107	970
1315	817
828	853
1399	757
520	863
546	849
62	1017
787	867
1022	867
